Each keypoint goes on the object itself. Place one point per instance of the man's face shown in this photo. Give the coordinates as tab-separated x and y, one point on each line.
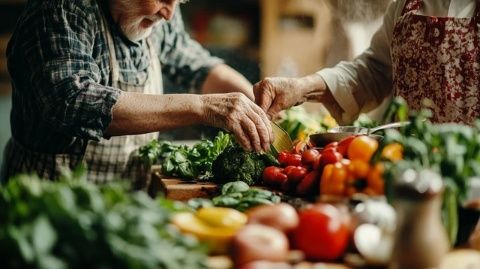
137	17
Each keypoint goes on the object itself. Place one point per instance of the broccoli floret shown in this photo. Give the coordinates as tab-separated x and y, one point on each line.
235	164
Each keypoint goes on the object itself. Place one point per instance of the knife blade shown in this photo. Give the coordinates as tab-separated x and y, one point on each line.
281	139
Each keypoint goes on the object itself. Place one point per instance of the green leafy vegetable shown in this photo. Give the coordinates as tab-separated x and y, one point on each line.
74	223
237	195
186	162
235	164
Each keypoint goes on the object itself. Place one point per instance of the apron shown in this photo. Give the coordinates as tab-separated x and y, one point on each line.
107	159
438	58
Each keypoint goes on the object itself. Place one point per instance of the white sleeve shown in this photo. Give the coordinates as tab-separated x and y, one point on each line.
362	84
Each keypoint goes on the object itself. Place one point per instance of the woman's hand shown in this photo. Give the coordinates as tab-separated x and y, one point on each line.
276	94
238	114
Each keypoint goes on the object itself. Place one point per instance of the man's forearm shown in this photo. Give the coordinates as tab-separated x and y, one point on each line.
223	78
136	113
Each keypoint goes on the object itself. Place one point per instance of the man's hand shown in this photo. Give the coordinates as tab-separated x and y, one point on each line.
276	94
238	114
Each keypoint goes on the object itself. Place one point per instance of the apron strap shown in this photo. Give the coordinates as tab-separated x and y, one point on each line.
114	69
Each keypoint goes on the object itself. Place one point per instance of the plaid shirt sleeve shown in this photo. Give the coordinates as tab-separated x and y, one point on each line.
65	78
184	61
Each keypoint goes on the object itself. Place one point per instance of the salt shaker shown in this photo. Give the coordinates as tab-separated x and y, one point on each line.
420	239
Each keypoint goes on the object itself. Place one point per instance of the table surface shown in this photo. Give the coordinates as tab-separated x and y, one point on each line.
456	259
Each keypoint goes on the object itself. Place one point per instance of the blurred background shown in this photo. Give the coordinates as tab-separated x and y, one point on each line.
257	37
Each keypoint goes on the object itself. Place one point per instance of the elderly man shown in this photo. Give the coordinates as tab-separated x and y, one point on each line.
87	86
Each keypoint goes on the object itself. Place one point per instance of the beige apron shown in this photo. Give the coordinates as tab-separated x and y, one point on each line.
107	159
117	156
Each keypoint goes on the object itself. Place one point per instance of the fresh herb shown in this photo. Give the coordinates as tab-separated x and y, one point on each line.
237	195
186	162
452	150
74	223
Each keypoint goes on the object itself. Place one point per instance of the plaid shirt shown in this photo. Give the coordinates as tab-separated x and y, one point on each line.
60	68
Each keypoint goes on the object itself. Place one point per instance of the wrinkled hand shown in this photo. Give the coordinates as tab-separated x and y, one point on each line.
238	114
276	94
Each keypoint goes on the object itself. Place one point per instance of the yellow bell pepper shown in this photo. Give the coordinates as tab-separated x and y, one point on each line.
214	226
393	152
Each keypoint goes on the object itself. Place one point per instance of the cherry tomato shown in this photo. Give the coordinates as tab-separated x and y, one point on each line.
274	176
309	156
344	144
362	148
322	233
294	159
309	184
330	155
282	157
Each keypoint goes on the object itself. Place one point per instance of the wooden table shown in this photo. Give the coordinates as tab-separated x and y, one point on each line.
456	259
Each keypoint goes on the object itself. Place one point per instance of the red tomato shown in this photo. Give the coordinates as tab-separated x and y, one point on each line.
344	144
322	233
317	163
282	157
309	183
309	156
294	159
295	173
330	155
274	176
331	145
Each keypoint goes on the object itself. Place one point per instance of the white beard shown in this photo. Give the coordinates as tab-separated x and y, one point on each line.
135	32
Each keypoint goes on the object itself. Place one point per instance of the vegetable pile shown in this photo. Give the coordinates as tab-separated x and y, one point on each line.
74	223
221	160
340	168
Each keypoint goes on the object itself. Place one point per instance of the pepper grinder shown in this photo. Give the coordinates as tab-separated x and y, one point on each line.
421	241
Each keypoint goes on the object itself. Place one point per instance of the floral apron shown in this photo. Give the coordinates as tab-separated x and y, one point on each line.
438	58
107	159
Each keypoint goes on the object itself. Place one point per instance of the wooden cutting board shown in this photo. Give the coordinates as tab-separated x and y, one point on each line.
182	190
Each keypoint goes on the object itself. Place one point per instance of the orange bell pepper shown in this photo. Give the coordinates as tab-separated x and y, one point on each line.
375	180
334	179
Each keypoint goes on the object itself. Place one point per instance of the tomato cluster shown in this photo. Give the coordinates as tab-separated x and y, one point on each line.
340	168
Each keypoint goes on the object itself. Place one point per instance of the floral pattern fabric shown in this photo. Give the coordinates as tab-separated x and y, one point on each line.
438	58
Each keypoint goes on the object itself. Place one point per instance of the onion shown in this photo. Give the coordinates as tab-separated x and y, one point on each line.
281	216
257	242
